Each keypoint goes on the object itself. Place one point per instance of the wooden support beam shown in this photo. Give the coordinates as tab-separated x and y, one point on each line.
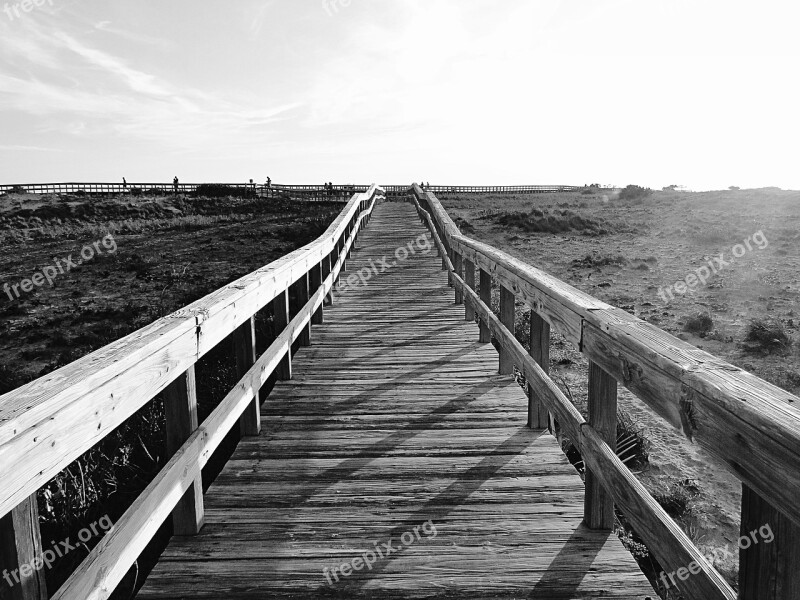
315	281
469	278
20	553
244	343
459	267
280	319
769	551
180	408
327	263
540	352
598	510
301	297
507	318
486	298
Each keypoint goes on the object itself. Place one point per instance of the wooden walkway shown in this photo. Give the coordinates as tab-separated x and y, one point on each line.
396	421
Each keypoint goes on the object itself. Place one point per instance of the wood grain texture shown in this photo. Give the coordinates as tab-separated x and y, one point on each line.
599	504
396	417
20	548
540	352
180	409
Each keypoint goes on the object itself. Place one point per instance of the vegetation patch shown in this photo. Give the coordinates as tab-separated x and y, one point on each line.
555	221
766	336
700	325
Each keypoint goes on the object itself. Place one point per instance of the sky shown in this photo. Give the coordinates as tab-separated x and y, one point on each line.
470	92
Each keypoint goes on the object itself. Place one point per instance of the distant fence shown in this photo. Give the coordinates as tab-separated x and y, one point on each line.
309	192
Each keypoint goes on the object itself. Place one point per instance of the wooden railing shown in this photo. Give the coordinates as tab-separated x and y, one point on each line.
261	190
48	423
499	189
750	425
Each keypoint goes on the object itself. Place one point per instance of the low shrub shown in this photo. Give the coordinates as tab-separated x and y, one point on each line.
766	336
634	192
701	325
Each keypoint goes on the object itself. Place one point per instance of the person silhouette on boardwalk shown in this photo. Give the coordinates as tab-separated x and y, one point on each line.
175	184
124	183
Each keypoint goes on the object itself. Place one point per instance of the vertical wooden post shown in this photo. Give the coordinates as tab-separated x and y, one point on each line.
315	281
244	343
768	570
486	298
540	352
301	299
598	509
459	268
326	271
180	408
280	319
20	553
507	317
469	279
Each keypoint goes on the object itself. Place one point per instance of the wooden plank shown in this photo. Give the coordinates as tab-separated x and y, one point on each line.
599	503
244	348
315	280
21	554
280	312
469	278
507	318
180	408
458	264
486	298
769	551
538	416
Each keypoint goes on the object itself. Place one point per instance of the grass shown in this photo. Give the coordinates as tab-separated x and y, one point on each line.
766	336
700	325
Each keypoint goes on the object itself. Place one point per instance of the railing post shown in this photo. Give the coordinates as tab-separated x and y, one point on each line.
486	298
326	272
315	282
20	552
540	352
244	343
598	509
301	299
507	317
180	409
469	279
458	265
768	570
280	319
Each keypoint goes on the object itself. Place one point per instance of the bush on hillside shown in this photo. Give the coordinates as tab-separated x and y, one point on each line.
634	192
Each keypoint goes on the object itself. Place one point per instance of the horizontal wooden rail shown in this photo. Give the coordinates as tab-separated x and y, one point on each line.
50	422
752	426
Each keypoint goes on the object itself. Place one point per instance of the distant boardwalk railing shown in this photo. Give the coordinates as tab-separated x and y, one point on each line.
753	427
319	191
48	423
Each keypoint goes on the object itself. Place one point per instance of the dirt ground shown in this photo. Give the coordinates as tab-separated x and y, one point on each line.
627	253
153	255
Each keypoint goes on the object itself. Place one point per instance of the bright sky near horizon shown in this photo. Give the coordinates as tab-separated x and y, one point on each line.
702	94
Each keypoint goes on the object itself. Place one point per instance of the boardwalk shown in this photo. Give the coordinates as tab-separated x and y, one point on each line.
396	419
